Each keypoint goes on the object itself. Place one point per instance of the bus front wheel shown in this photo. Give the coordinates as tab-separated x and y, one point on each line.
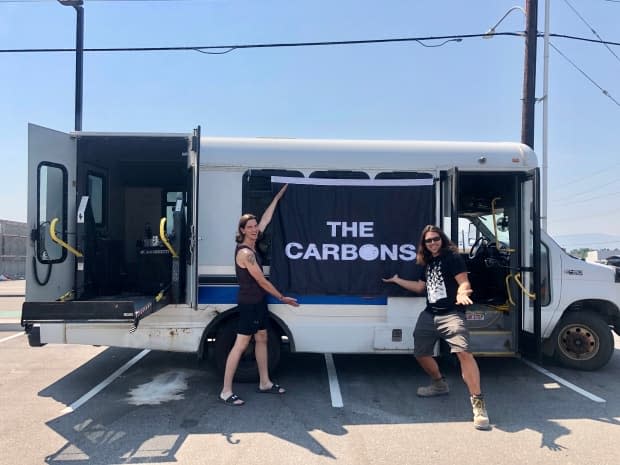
583	341
247	371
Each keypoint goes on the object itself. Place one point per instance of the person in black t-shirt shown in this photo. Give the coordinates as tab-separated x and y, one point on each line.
447	293
253	312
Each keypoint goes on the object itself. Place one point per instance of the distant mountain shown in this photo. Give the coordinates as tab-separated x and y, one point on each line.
590	241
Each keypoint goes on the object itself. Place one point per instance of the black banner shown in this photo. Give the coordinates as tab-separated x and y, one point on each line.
340	237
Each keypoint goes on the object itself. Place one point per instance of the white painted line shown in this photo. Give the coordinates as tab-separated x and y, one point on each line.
562	381
94	391
11	337
334	387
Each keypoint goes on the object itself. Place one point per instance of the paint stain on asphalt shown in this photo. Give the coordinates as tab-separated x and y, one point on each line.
165	387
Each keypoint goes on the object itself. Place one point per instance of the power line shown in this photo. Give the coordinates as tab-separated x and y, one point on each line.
582	39
570	183
89	1
571	196
604	91
419	40
575	217
446	39
573	201
592	29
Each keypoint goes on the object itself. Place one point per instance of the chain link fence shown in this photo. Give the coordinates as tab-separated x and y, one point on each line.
13	240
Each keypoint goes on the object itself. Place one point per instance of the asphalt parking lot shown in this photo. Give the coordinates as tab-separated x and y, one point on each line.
98	405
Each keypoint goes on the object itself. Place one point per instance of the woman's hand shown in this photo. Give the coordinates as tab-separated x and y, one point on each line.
390	280
289	301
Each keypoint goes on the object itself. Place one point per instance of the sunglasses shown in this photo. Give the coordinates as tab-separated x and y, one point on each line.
432	239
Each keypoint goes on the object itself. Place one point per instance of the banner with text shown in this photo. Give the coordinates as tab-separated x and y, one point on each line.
341	236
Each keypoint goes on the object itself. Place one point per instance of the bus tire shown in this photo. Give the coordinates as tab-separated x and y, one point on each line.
247	370
583	341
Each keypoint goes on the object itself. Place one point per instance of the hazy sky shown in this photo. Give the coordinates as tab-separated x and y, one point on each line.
460	91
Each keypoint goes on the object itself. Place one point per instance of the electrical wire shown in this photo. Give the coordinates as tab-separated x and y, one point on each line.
570	183
582	39
573	201
573	217
591	29
604	91
419	40
89	1
446	39
589	191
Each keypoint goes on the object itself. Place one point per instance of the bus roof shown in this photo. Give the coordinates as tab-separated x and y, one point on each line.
341	154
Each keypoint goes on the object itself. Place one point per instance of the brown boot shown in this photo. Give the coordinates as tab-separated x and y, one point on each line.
481	418
438	387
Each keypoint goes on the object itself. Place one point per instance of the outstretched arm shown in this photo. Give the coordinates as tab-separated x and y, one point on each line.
246	259
413	286
464	290
266	218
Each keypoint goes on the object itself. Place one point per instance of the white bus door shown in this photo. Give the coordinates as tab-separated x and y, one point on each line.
530	327
50	267
193	166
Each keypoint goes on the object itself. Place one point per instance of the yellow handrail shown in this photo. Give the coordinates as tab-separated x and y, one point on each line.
59	241
164	239
518	281
512	302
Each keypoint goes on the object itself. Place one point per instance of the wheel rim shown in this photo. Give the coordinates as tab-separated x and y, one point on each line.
578	342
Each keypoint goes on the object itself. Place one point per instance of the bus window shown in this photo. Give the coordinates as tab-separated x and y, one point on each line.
51	210
339	174
96	195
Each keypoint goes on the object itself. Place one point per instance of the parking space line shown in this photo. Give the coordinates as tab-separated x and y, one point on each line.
334	387
11	337
94	391
568	384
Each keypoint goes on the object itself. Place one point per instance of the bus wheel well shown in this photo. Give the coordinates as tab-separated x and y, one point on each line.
582	338
210	332
608	311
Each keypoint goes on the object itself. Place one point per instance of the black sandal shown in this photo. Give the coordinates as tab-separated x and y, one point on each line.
232	400
274	389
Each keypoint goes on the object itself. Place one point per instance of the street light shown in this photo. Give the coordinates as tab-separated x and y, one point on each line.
79	57
491	32
528	98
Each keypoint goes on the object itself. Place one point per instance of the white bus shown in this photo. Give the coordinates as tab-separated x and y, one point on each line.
132	241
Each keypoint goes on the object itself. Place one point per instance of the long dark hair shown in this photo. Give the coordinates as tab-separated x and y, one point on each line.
242	222
423	256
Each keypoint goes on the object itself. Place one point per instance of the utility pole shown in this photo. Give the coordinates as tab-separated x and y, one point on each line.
79	57
545	123
529	77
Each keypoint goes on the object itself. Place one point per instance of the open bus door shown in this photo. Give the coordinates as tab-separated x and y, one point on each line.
449	204
530	343
70	265
193	166
52	166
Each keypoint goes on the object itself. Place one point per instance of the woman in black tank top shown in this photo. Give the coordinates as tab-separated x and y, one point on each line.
253	312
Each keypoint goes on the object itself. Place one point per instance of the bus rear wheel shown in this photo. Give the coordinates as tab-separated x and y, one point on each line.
247	371
583	341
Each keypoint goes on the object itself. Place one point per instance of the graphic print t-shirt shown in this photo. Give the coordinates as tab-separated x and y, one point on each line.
441	286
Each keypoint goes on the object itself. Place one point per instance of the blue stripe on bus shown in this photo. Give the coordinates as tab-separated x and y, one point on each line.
228	295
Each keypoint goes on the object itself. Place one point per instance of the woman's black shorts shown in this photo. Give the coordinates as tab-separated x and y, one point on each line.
253	317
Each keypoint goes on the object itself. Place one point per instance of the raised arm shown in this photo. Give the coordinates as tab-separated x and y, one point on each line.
247	259
266	218
414	286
